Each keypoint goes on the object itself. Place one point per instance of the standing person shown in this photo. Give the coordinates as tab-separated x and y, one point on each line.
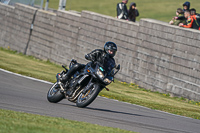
190	21
179	18
133	12
186	6
122	12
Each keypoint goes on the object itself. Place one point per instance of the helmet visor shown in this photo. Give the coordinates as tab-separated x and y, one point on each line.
112	52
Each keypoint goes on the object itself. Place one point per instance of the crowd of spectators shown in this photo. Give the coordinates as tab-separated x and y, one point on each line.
186	17
124	13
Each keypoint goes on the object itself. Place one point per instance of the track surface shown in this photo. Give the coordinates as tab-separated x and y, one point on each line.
21	94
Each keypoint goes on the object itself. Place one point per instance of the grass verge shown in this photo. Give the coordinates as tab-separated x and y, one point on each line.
162	10
18	122
30	66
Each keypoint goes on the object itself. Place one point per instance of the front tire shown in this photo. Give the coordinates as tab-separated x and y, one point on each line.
54	94
84	100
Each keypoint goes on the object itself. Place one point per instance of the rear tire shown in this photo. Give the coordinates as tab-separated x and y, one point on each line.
89	97
54	94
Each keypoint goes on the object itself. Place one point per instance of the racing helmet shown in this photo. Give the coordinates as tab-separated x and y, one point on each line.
110	48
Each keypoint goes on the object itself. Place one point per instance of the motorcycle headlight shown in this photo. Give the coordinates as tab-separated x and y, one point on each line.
107	80
100	73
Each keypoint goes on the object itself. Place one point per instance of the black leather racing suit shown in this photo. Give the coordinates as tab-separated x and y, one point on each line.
100	56
96	55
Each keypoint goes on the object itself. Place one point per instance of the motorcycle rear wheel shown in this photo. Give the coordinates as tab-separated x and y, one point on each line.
84	100
54	94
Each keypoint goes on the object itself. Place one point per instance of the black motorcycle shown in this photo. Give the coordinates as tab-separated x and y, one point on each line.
84	86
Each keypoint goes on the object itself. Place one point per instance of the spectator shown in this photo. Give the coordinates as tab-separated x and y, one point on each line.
133	12
196	18
122	12
186	6
179	18
193	12
190	21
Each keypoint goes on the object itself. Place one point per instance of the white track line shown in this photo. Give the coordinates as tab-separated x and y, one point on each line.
43	81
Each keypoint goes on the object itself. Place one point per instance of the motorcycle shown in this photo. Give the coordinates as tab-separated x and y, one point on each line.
84	86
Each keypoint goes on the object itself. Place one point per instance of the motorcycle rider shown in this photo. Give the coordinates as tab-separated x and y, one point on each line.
105	57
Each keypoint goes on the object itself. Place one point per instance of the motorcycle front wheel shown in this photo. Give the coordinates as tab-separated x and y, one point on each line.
54	94
84	100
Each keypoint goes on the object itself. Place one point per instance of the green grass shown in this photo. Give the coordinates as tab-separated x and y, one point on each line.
25	65
30	66
154	100
18	122
162	10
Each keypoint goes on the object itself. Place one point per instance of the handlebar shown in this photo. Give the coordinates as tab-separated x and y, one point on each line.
65	68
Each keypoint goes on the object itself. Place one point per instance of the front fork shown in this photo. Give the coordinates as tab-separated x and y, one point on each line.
88	87
58	76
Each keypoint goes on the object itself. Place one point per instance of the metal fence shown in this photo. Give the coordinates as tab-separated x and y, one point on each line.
26	2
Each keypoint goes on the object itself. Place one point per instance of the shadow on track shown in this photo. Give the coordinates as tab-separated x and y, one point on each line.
109	111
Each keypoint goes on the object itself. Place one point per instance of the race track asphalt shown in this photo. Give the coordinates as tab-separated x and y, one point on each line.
20	93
